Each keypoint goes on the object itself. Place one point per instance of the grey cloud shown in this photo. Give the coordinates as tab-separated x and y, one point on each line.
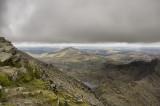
83	20
2	9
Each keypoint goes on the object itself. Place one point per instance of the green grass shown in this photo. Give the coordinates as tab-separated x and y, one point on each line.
4	79
8	104
38	84
26	78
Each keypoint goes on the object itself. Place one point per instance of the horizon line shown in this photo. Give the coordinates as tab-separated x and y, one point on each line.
100	45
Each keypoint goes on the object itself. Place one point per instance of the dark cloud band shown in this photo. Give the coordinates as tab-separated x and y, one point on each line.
81	21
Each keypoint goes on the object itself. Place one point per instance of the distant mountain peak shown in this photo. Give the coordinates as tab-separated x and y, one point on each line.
70	49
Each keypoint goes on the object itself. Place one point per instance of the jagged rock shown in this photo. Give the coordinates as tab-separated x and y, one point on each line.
79	99
6	90
1	87
19	89
26	93
10	71
23	70
38	92
14	77
5	57
28	103
9	49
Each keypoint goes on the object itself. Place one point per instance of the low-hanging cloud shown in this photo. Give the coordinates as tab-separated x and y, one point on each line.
80	20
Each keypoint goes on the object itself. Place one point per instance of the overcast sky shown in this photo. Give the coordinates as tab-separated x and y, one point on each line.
89	21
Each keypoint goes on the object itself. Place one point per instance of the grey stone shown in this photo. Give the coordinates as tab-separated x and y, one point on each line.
1	49
5	56
1	87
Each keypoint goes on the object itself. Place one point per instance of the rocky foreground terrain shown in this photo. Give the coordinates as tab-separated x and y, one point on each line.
25	81
117	79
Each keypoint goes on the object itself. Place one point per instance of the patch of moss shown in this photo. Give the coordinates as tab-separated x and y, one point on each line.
38	84
82	104
63	102
3	96
37	73
25	77
4	79
30	75
17	64
8	104
48	97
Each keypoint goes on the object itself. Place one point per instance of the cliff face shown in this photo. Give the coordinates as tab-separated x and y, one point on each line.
26	81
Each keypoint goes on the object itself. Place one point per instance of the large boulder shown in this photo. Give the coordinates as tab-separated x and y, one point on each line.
5	57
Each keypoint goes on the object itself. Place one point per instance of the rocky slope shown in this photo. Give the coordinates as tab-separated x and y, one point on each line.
123	79
135	83
25	81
